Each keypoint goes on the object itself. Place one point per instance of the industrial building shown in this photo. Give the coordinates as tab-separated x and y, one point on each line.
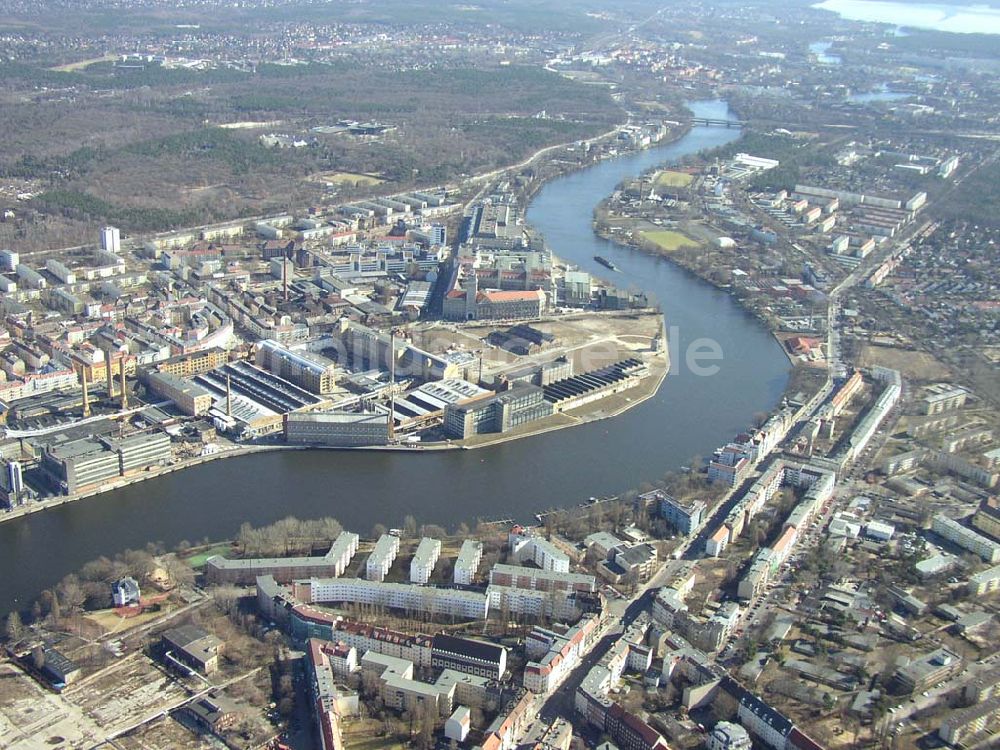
84	464
429	401
190	397
501	412
296	367
252	402
338	428
578	390
194	647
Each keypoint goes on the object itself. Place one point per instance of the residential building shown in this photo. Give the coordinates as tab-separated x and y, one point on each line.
962	724
532	603
382	557
728	736
985	582
685	516
966	538
125	591
516	576
245	571
944	397
469	656
469	557
436	602
987	518
731	475
525	545
553	656
424	560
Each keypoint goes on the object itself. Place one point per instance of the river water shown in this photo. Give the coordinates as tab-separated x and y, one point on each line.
690	415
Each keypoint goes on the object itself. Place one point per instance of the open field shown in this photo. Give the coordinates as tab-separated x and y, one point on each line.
916	365
669	178
354	179
81	64
668	240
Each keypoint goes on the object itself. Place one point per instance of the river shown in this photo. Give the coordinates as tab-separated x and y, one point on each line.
691	414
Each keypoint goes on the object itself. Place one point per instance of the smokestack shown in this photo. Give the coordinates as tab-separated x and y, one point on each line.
229	395
284	276
86	396
109	373
124	389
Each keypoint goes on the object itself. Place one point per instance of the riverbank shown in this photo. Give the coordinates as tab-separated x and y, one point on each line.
659	363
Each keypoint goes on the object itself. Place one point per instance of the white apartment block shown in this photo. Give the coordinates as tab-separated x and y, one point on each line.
531	603
540	551
516	576
343	550
382	557
424	560
943	397
468	561
460	603
966	538
985	582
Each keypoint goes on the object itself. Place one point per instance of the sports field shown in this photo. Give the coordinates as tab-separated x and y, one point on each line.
670	178
668	240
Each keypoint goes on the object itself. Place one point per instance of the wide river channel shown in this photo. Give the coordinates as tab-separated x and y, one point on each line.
690	415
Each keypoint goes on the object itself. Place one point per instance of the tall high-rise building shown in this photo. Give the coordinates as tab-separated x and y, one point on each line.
11	481
111	239
9	260
15	477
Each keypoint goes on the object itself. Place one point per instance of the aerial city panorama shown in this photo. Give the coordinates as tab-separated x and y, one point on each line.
499	374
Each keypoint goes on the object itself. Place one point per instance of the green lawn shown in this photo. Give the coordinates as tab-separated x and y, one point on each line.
668	240
673	179
198	561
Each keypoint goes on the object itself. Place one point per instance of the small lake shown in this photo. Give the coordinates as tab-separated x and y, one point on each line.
958	19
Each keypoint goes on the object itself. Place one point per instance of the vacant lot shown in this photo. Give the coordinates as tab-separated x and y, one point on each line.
353	179
915	365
